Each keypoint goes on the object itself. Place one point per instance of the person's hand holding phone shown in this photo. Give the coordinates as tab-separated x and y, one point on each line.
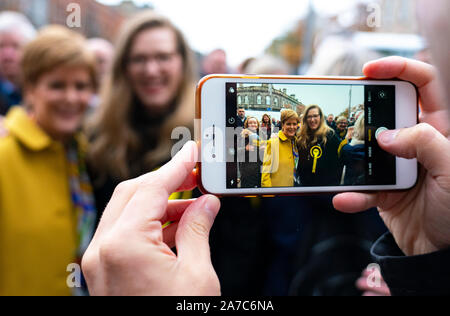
131	254
419	219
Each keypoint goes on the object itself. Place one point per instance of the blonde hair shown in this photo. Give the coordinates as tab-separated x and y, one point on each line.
341	119
55	46
307	137
250	118
359	131
115	138
286	115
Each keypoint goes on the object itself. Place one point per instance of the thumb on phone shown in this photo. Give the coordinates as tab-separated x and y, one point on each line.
423	142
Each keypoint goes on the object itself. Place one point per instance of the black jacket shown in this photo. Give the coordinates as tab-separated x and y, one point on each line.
250	168
423	275
328	169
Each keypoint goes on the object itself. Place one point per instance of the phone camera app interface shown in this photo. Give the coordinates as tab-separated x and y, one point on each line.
306	135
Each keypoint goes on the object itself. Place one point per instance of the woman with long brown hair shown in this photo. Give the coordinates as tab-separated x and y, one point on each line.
148	93
318	151
266	127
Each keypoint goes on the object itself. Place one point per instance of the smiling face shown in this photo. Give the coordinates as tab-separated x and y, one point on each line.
59	100
252	124
289	127
342	125
313	119
155	68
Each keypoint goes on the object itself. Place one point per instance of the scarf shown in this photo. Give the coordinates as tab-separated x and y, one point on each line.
83	201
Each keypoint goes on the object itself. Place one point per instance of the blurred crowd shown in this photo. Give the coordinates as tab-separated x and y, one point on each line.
79	116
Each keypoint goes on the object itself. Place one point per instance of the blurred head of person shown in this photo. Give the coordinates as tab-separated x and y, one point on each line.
314	128
243	66
252	124
342	123
59	79
268	65
146	96
336	56
359	129
266	120
104	53
15	32
241	113
330	118
215	62
289	123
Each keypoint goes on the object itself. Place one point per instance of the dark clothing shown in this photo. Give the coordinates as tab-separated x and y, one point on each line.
251	167
341	134
324	251
328	170
240	122
353	157
265	132
332	125
415	275
239	248
9	96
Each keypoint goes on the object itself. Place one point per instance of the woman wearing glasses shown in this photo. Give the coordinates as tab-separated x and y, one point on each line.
318	146
147	95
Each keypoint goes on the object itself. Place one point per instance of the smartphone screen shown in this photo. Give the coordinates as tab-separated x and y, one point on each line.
307	135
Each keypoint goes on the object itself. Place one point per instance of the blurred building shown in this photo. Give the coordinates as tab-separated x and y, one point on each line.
97	20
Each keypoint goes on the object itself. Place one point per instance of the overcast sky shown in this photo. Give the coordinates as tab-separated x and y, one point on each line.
244	28
333	99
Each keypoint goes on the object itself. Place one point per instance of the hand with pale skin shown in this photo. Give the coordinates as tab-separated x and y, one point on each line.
419	219
246	133
131	254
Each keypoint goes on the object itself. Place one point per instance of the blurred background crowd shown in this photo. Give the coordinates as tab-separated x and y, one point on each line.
85	108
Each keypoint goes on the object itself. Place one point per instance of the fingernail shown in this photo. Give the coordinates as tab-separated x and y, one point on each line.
388	137
211	205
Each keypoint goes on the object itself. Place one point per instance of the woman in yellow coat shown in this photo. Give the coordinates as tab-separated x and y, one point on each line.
281	155
47	213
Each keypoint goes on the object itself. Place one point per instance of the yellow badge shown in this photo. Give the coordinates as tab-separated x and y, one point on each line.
316	153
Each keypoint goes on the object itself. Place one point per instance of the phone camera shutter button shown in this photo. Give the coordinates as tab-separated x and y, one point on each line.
379	131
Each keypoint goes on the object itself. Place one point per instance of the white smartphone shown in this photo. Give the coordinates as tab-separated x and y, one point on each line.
277	135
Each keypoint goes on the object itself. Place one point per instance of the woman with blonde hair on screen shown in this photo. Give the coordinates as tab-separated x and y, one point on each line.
281	156
318	151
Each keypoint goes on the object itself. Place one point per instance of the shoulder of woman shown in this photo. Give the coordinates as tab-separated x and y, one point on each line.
331	133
